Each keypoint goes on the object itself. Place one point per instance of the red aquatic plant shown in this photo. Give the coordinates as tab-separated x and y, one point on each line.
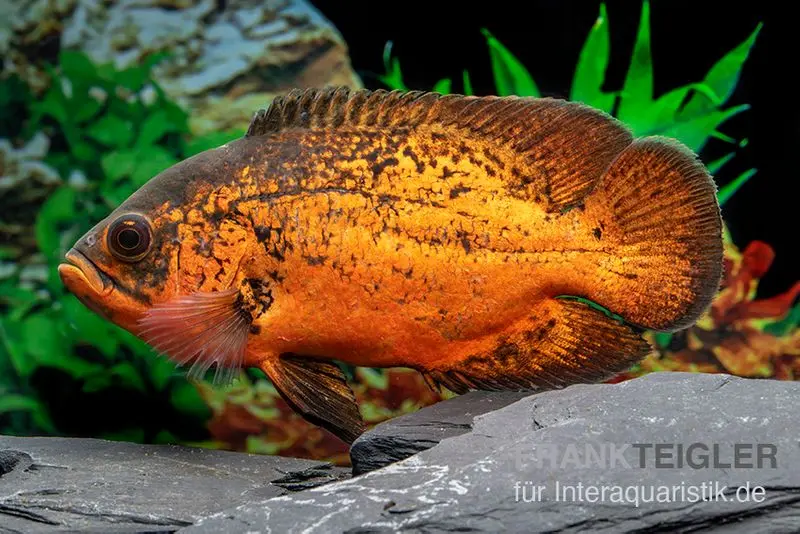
251	416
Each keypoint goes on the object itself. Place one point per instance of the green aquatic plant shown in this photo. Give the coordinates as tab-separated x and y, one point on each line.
692	113
63	369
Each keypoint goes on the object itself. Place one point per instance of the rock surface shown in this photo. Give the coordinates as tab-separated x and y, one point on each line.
227	59
404	436
88	485
592	450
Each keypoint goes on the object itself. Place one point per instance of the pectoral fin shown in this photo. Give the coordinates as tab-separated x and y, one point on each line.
319	391
200	330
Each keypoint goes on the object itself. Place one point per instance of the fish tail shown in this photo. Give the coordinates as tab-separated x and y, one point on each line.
659	209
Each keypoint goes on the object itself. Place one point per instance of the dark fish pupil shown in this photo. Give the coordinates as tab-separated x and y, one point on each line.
128	238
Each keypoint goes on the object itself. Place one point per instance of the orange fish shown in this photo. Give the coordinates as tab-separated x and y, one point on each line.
448	234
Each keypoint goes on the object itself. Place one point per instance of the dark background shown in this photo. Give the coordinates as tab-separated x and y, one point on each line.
437	39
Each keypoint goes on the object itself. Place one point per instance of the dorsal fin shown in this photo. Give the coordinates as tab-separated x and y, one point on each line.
565	147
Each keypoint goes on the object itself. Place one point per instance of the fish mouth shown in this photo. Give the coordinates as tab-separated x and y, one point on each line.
81	269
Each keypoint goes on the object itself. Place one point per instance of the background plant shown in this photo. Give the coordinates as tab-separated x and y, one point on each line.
692	113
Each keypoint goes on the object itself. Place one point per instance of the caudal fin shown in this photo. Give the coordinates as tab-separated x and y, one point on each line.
664	212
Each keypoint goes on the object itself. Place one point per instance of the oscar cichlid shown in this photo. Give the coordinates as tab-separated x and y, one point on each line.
410	229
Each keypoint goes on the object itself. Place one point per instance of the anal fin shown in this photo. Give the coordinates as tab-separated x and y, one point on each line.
318	390
560	343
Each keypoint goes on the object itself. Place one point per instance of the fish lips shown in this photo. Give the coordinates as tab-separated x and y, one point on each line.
80	272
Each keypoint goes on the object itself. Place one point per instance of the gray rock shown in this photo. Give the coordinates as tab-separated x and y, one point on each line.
582	445
404	436
90	485
227	59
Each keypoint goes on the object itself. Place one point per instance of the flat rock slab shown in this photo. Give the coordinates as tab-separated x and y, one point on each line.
652	454
90	485
404	436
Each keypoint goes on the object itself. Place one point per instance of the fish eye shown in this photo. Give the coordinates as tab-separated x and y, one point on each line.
129	238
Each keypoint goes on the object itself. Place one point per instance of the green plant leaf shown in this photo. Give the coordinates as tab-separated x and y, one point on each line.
374	378
187	400
63	162
510	76
723	137
119	163
106	73
96	382
659	114
115	194
258	445
89	327
17	403
161	371
43	422
76	65
111	130
152	161
393	77
637	90
663	339
154	127
695	132
14	346
175	114
133	78
263	413
19	300
53	105
717	164
785	325
59	207
209	141
125	108
727	191
587	83
166	437
87	110
467	83
593	305
134	344
128	376
723	77
443	86
79	148
40	338
44	344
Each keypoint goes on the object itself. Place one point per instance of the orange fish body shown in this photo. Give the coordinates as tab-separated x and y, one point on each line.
442	233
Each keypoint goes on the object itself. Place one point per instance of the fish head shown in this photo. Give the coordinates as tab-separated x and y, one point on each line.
129	262
103	267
